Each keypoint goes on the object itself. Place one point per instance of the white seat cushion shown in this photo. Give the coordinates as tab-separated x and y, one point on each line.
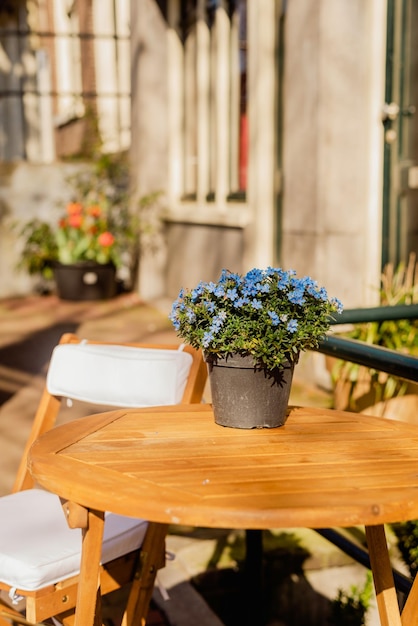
118	375
37	548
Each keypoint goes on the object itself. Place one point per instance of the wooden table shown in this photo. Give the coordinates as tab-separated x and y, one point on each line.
174	465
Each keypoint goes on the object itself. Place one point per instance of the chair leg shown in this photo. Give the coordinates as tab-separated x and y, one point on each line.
387	601
7	613
88	608
151	559
8	616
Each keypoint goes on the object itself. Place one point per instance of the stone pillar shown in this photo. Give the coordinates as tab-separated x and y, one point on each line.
334	73
149	114
149	96
261	25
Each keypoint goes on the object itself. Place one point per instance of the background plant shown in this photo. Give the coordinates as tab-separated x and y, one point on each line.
398	287
99	224
269	314
39	248
350	608
407	536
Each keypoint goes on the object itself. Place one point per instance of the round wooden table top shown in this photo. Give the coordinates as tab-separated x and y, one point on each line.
175	465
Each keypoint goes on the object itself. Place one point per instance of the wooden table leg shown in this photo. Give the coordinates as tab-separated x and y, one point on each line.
387	601
88	608
410	610
151	559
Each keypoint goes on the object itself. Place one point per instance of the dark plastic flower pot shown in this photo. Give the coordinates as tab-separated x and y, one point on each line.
85	281
245	397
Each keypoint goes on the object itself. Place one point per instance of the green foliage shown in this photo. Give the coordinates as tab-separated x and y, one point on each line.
407	536
39	250
350	608
398	287
269	314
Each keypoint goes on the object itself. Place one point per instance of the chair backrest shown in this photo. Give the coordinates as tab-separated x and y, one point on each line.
110	374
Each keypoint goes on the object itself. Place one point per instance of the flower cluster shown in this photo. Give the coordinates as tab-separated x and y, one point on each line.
84	234
269	314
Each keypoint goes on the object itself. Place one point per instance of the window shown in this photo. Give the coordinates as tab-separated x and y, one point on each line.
68	62
212	105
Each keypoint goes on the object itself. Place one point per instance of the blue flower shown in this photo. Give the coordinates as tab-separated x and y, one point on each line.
224	276
296	296
207	338
256	304
321	294
240	302
227	276
292	326
197	292
211	287
263	288
283	280
275	320
232	294
209	305
337	304
217	322
175	321
254	276
271	271
191	315
173	316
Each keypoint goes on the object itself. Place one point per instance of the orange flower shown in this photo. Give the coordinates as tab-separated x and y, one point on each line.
106	239
75	220
94	210
74	208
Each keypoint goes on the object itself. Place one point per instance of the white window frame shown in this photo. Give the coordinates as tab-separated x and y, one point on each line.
203	117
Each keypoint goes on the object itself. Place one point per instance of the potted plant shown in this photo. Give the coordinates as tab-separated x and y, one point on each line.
94	239
358	388
256	324
82	251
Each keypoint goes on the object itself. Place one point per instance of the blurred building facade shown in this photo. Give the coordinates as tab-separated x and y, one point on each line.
280	132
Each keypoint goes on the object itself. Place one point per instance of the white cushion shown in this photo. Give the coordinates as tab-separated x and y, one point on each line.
37	548
118	375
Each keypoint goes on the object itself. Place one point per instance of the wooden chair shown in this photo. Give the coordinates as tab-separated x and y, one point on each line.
39	553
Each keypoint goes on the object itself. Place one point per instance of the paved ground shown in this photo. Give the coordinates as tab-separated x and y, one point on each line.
29	329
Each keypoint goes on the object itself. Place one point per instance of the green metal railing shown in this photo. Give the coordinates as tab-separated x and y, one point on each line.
376	357
377	314
381	359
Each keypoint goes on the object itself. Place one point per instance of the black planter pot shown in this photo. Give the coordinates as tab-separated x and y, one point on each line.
85	281
245	397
